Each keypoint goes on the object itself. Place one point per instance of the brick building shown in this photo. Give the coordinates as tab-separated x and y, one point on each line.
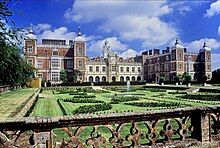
52	56
176	61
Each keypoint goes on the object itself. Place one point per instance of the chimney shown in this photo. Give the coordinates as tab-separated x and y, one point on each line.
168	49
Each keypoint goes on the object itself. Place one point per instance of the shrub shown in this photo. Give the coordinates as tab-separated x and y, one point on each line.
82	100
92	108
153	104
117	100
207	97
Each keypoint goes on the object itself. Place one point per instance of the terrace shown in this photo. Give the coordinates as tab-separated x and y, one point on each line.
112	117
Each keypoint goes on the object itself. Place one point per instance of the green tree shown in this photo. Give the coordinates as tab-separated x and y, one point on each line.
13	68
187	78
176	79
76	73
162	80
63	75
204	78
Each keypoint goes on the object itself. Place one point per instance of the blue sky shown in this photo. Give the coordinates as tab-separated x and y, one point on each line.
130	26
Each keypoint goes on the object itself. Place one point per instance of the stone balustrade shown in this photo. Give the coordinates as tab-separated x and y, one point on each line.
183	127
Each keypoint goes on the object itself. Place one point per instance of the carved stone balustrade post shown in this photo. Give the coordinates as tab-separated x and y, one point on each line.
200	124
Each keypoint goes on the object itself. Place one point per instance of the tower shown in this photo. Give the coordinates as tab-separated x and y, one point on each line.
205	62
177	60
30	47
106	49
79	56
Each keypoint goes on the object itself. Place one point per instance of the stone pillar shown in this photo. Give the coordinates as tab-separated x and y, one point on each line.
43	139
200	123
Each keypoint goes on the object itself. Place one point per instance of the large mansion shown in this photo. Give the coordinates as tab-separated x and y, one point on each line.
52	56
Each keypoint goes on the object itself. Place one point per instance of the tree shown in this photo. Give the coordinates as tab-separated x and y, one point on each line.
13	68
76	73
187	78
63	75
162	79
176	79
216	76
204	78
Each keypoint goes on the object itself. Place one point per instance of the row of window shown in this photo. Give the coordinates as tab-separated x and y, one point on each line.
55	63
113	68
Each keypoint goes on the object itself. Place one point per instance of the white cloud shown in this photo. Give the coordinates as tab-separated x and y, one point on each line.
219	30
116	45
131	20
196	45
58	33
41	27
184	9
82	11
213	10
129	53
215	61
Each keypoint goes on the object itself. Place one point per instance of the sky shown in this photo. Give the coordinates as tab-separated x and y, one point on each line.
130	26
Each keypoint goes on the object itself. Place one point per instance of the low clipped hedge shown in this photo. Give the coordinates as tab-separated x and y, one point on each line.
167	87
92	108
207	97
154	104
177	92
156	90
116	100
84	96
209	90
82	100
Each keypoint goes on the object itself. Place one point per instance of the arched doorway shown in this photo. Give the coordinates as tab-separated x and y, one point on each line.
113	79
139	78
127	78
97	79
121	79
90	79
133	78
103	79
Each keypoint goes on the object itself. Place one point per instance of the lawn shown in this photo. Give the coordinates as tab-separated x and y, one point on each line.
10	101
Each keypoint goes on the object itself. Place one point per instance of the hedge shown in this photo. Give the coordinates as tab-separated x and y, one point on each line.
92	108
207	97
153	104
209	90
82	100
116	100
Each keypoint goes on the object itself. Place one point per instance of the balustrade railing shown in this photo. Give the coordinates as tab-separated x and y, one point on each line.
177	128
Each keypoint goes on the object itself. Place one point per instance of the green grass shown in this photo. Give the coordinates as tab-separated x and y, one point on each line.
12	100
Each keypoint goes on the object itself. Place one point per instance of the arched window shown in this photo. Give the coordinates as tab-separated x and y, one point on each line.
139	78
113	79
103	79
127	78
97	79
90	79
133	78
121	79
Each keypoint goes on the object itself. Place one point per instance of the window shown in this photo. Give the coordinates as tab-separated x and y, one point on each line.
139	69
69	64
30	61
122	69
80	51
39	63
127	69
55	52
133	69
30	49
103	69
80	63
40	75
208	67
180	56
180	66
55	63
55	76
113	68
90	69
97	68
